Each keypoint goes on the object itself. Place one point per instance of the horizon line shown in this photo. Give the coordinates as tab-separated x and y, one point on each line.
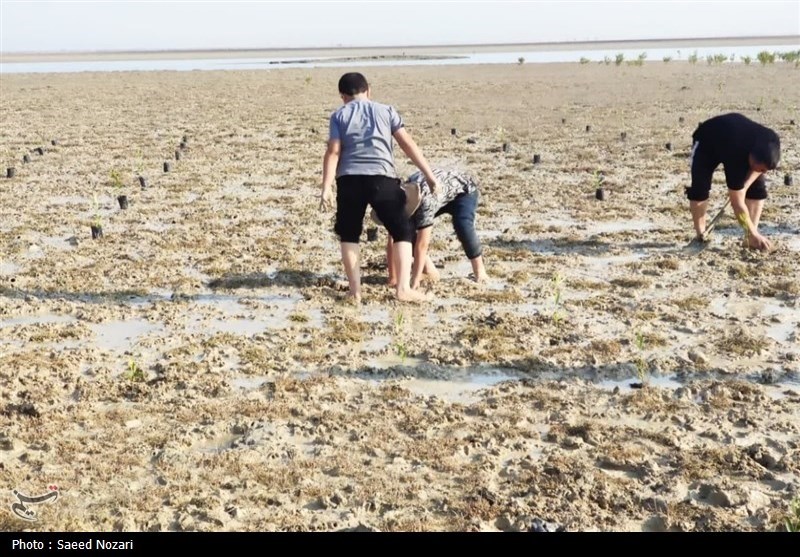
354	47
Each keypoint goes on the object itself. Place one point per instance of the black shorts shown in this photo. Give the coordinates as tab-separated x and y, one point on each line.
703	166
384	194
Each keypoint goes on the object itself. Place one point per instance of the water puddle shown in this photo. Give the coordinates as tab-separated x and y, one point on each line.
605	262
240	316
59	200
783	319
461	388
7	268
217	444
624	385
377	344
40	319
613	227
59	242
121	336
248	383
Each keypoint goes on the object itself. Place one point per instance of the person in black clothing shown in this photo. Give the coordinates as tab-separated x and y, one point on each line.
747	150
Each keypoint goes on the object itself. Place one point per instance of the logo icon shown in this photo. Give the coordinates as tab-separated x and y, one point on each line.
22	508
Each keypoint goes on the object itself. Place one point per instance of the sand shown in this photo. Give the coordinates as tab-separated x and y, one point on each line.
196	368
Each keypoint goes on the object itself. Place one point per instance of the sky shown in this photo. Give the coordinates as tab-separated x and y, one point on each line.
98	25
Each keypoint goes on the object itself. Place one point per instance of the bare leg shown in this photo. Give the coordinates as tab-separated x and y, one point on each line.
402	263
350	255
698	210
754	208
392	270
478	269
430	269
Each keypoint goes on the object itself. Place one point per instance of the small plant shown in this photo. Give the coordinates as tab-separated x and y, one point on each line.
584	60
792	521
96	220
521	60
116	178
134	373
641	365
766	57
399	337
640	59
693	58
308	80
746	60
606	60
667	59
743	221
555	286
619	59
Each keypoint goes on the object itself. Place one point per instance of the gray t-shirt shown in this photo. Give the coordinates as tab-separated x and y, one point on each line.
365	129
451	185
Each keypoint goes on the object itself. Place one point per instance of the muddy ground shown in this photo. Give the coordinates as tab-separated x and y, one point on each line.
197	369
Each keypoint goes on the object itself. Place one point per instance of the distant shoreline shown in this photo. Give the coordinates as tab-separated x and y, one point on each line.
385	51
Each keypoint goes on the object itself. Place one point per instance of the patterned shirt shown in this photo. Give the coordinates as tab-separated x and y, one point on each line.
451	185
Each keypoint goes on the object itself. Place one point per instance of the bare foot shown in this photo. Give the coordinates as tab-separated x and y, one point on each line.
482	278
433	277
414	296
352	299
342	285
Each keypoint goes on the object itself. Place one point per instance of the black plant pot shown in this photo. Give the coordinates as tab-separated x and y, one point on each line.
142	182
681	120
506	147
563	120
177	155
167	166
787	180
185	139
54	142
372	234
39	150
537	159
123	201
26	158
623	136
636	385
668	146
452	131
10	172
791	122
588	128
182	145
600	194
97	232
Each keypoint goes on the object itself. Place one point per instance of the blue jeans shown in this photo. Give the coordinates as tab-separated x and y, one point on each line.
462	209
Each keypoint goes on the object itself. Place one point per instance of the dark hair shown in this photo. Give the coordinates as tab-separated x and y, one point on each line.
767	149
352	84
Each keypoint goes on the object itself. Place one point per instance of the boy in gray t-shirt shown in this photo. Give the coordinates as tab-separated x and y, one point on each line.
359	156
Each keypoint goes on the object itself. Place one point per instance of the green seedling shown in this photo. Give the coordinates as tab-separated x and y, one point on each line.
399	337
792	521
96	220
641	365
556	282
116	178
743	222
135	373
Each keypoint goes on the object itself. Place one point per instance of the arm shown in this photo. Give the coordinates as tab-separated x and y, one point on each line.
737	198
409	147
329	163
421	246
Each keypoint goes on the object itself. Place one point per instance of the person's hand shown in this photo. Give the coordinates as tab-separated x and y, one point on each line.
326	199
433	186
757	241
